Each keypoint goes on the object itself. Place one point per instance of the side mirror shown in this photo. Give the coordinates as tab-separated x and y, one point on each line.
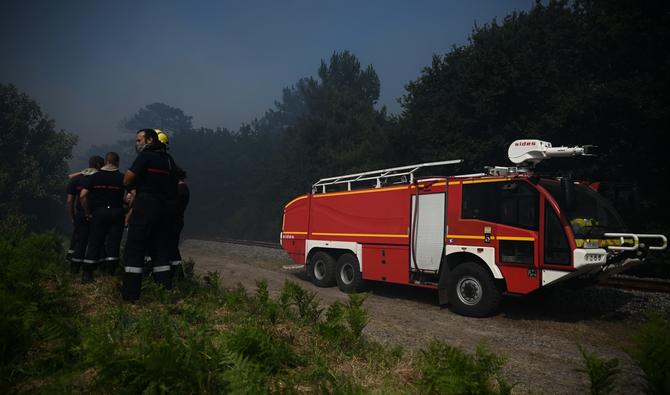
568	194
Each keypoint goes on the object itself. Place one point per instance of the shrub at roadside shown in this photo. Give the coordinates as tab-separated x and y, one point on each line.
651	351
448	370
37	306
602	372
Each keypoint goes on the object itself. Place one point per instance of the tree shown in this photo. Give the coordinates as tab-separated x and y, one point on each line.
161	116
582	72
155	115
33	169
340	130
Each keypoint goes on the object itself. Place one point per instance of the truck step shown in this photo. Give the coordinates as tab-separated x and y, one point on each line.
295	267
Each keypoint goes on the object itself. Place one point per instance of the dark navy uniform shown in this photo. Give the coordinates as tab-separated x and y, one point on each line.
178	207
105	202
79	238
149	225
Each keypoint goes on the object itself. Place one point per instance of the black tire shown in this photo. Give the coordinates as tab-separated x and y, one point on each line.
321	269
349	278
472	291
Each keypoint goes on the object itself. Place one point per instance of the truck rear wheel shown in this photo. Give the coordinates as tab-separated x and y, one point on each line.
472	291
349	278
321	269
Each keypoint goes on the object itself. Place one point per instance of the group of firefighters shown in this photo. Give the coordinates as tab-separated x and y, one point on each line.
149	199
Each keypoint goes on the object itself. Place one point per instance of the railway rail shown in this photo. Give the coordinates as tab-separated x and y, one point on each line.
617	281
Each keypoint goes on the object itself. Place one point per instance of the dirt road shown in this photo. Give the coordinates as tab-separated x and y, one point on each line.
538	335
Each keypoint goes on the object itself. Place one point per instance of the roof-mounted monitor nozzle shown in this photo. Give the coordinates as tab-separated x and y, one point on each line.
532	152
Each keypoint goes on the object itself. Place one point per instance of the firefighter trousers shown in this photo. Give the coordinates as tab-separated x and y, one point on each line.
80	240
175	254
73	243
148	230
176	226
104	240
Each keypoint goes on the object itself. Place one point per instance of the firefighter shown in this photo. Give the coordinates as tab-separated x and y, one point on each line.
79	238
177	207
102	199
153	176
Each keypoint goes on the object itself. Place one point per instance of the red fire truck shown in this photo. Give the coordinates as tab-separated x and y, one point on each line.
472	237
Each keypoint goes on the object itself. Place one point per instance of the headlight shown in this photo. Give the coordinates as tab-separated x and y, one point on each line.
591	244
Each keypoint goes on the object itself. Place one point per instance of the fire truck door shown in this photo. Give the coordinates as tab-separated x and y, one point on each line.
427	224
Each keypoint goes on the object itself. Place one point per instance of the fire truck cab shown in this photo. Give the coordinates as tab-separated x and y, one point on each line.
471	237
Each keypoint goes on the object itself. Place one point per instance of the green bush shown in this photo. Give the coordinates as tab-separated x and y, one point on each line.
37	305
265	307
152	353
305	302
448	370
602	373
260	346
651	351
344	323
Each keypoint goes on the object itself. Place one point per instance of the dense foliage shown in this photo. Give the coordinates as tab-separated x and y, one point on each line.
33	161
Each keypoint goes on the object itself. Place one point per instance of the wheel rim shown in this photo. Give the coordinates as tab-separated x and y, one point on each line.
319	269
347	273
469	291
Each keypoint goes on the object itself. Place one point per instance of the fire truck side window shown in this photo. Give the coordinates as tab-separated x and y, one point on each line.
480	202
510	203
556	247
519	204
517	252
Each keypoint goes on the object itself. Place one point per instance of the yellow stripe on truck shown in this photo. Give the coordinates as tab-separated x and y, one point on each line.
323	195
295	200
515	238
469	237
476	237
358	234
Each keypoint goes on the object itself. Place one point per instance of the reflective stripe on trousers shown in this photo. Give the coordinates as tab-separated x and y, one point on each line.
158	269
133	269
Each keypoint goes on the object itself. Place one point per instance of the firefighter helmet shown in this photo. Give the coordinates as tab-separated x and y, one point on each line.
163	137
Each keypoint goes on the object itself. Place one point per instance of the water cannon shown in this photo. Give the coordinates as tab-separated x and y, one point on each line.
532	152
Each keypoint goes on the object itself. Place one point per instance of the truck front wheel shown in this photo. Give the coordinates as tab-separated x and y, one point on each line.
321	269
472	291
349	278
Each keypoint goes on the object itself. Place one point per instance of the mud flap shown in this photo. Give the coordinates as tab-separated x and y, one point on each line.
442	292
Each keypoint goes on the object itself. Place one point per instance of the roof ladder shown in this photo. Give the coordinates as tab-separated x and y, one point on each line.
378	175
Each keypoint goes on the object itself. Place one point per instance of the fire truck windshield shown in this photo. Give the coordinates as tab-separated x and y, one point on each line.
591	214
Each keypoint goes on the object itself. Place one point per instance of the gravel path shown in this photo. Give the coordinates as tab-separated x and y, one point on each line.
538	334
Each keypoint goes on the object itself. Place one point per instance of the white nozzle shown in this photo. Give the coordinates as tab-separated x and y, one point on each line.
535	151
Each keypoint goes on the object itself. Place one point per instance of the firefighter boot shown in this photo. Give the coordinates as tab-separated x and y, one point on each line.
163	278
87	275
130	290
111	267
74	267
176	272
